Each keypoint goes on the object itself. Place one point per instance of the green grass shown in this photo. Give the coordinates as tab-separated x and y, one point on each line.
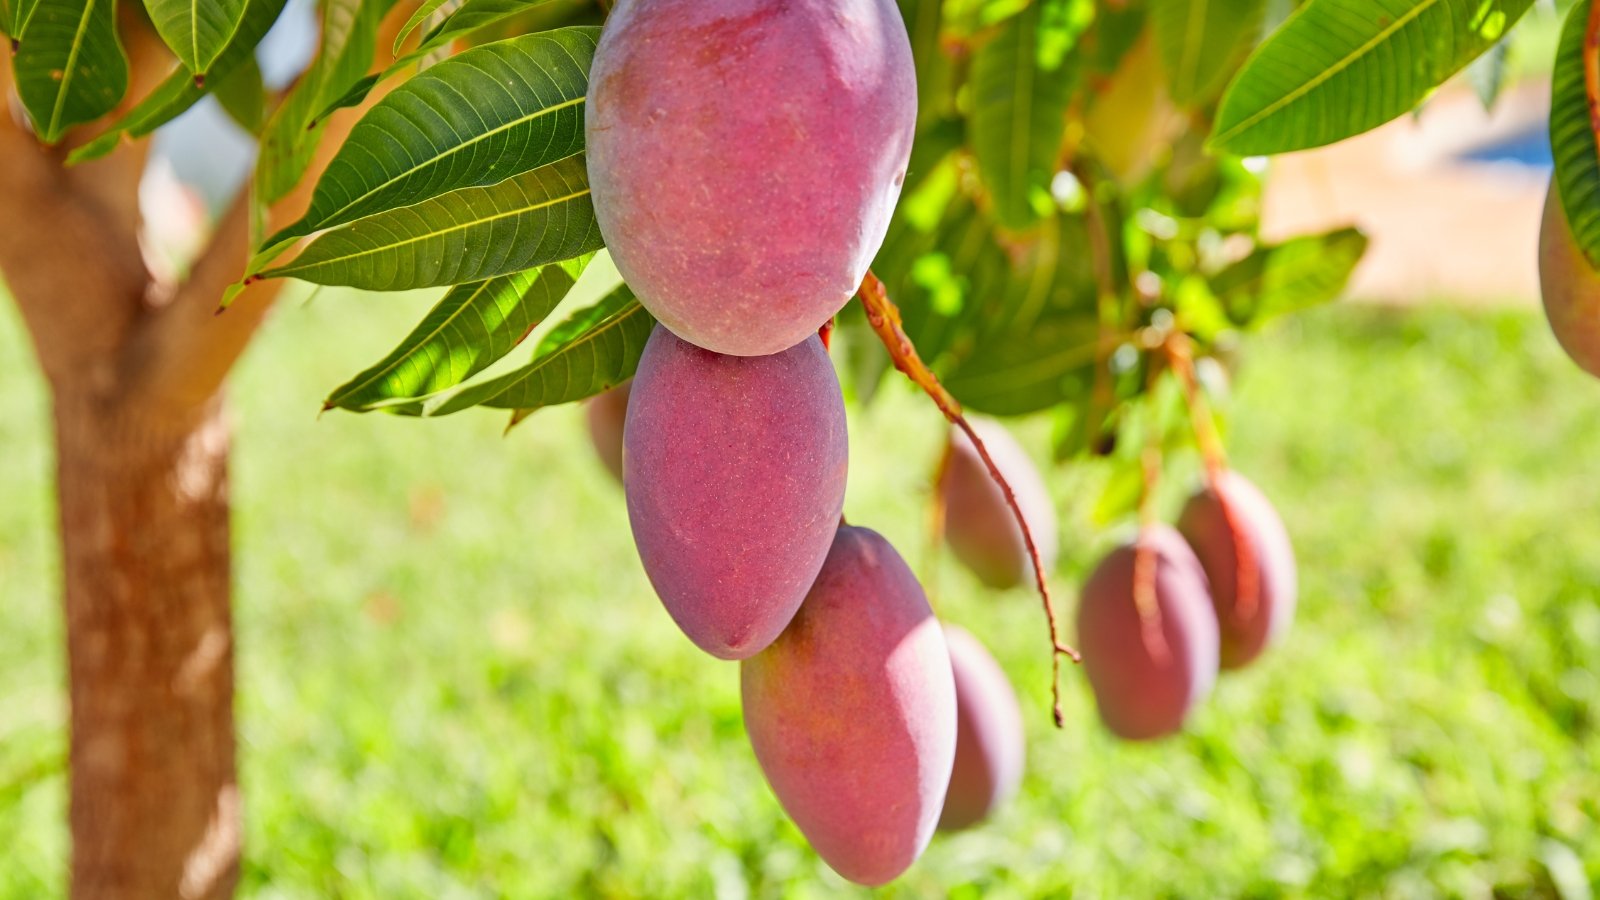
455	682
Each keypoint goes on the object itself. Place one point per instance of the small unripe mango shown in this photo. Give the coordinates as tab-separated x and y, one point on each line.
852	712
1146	684
606	414
1570	285
1219	522
990	742
979	525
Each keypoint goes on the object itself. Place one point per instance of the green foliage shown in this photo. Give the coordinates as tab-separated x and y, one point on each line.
1572	135
472	327
593	351
348	44
197	30
1021	83
473	120
1202	41
178	91
14	16
466	235
1337	68
1288	277
70	67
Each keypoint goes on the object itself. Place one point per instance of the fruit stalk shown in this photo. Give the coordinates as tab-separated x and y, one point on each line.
1181	359
884	317
1144	561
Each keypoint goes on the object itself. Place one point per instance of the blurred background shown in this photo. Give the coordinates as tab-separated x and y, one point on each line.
455	680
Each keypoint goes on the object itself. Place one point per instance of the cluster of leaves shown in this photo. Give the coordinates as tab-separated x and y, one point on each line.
1079	187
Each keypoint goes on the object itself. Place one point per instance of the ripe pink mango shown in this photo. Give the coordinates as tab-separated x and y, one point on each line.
1140	695
745	157
852	712
1571	287
990	741
734	472
1216	523
978	524
606	414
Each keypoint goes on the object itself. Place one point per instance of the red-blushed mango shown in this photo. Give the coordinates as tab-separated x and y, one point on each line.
745	157
852	712
1255	611
1145	689
734	473
606	413
1571	287
978	524
990	741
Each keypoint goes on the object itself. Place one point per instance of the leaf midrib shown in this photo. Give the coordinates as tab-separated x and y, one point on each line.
335	260
445	155
401	358
67	70
515	379
1325	75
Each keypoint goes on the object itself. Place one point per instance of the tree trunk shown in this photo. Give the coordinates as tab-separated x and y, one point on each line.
144	527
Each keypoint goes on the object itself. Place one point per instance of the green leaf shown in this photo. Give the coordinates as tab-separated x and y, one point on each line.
1050	363
1201	40
1032	338
1337	68
423	13
244	97
474	119
935	69
1283	278
467	235
472	327
178	92
1021	84
14	16
71	69
469	17
1488	73
1572	137
349	42
595	350
197	31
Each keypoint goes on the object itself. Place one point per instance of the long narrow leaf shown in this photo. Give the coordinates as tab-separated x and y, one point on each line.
197	31
467	235
349	43
1200	40
472	327
475	119
1021	84
70	69
596	349
1337	68
1572	137
178	91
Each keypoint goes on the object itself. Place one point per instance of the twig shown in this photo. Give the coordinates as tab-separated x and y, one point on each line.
884	317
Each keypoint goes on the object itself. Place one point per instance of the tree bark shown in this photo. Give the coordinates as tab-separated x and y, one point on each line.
136	370
144	523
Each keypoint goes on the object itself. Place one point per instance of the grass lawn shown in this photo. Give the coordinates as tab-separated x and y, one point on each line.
455	681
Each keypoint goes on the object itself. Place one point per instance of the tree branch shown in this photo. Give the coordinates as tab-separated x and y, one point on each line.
70	254
183	351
